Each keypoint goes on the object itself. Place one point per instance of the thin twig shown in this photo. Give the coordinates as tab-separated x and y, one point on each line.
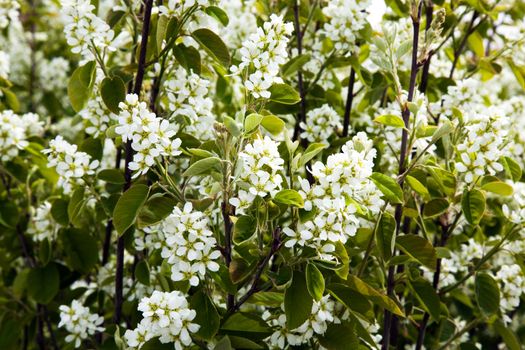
388	316
349	100
119	274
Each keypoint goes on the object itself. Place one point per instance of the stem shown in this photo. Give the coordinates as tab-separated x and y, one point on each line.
457	53
276	244
119	275
465	329
301	116
349	100
227	251
429	11
388	316
445	231
480	263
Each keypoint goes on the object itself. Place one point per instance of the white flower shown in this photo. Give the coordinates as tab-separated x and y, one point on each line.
70	164
151	137
167	316
79	322
262	54
320	124
189	245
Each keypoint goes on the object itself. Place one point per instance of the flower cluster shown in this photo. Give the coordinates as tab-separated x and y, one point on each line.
190	245
347	17
262	54
323	313
70	164
343	189
14	131
512	285
42	225
4	65
54	74
85	32
151	137
483	146
188	96
8	12
96	116
320	124
79	322
166	316
261	164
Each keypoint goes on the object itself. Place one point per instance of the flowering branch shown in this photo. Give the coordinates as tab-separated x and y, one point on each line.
119	275
416	18
275	245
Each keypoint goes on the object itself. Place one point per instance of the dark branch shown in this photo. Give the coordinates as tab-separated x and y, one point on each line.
388	316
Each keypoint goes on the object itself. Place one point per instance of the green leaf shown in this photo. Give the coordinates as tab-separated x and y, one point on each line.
8	213
519	73
475	42
112	176
427	296
389	187
93	147
273	124
473	205
232	126
80	85
75	205
498	187
189	57
314	281
155	344
243	343
203	166
128	206
284	94
252	121
11	100
352	300
508	336
445	129
113	92
81	249
445	180
297	301
223	344
417	186
213	45
43	283
487	293
290	197
512	168
218	14
142	272
271	299
435	207
244	322
156	209
390	120
293	65
340	336
373	295
59	211
207	316
310	152
385	235
418	248
244	228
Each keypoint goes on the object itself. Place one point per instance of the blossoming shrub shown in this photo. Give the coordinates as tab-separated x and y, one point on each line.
205	174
